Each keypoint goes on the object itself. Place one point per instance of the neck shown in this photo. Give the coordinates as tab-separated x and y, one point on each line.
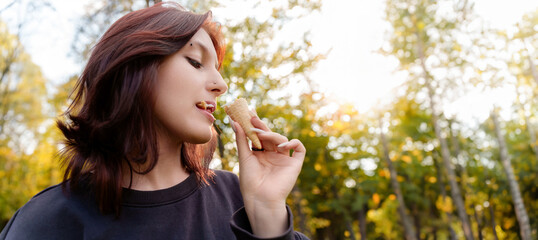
167	172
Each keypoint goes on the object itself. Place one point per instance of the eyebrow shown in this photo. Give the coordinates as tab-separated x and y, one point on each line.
208	52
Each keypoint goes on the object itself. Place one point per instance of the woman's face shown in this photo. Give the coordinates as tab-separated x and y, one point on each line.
185	79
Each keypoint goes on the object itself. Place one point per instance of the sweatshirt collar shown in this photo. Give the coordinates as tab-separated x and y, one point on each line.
136	198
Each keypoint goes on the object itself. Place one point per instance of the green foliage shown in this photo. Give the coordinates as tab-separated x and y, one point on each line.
26	144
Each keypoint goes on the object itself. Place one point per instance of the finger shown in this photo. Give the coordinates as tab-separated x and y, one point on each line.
299	151
253	113
258	123
241	139
270	139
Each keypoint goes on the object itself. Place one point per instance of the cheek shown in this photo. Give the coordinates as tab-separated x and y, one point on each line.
172	103
177	114
173	84
169	99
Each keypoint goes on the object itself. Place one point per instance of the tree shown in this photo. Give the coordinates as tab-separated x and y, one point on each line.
522	66
409	230
521	213
422	37
491	75
23	155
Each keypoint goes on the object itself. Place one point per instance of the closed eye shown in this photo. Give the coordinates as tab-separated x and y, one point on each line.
194	63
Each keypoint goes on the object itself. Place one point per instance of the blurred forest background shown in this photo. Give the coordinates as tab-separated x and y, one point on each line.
407	169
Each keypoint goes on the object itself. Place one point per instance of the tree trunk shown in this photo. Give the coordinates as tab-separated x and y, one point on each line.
362	222
478	224
454	188
220	147
492	218
350	229
416	220
445	153
325	233
519	206
406	221
301	217
463	177
441	183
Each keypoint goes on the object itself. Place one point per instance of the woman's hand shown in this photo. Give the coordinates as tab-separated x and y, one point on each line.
267	177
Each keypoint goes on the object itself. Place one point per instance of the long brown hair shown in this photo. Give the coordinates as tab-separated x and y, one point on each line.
110	120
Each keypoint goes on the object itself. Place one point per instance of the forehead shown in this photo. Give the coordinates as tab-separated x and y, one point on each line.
202	40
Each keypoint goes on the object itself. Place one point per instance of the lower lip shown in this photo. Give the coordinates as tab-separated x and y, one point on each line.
208	115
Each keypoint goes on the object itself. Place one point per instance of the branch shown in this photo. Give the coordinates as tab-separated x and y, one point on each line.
9	5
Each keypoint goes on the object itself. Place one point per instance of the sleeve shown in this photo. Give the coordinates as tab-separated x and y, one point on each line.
3	234
47	215
241	227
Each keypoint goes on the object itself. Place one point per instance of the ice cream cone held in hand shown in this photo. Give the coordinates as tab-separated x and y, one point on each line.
239	112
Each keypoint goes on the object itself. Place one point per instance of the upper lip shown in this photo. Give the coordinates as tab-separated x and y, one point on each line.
211	108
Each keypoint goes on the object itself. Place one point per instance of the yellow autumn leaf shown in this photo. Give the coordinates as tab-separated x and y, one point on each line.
319	223
317	166
381	173
420	25
376	198
338	126
315	190
508	223
444	205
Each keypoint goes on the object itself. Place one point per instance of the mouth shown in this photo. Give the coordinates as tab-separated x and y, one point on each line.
208	106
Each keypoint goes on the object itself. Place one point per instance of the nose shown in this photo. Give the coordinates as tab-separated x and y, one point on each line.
217	84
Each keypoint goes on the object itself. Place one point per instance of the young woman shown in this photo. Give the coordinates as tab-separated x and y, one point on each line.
138	145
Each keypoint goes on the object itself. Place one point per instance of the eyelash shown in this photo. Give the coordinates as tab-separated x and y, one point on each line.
194	63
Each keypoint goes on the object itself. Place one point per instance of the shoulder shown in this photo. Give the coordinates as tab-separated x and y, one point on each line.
48	193
47	214
225	185
226	177
226	180
46	200
53	200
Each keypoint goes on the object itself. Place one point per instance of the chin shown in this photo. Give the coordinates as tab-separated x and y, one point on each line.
201	139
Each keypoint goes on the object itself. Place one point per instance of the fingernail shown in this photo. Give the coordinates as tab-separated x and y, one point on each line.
283	144
253	112
257	130
232	123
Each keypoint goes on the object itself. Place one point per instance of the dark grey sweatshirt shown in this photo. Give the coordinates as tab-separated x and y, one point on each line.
186	211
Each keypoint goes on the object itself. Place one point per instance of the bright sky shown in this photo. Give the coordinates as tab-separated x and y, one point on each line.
353	29
354	71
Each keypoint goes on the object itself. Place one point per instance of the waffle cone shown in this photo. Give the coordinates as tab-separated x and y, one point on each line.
239	112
